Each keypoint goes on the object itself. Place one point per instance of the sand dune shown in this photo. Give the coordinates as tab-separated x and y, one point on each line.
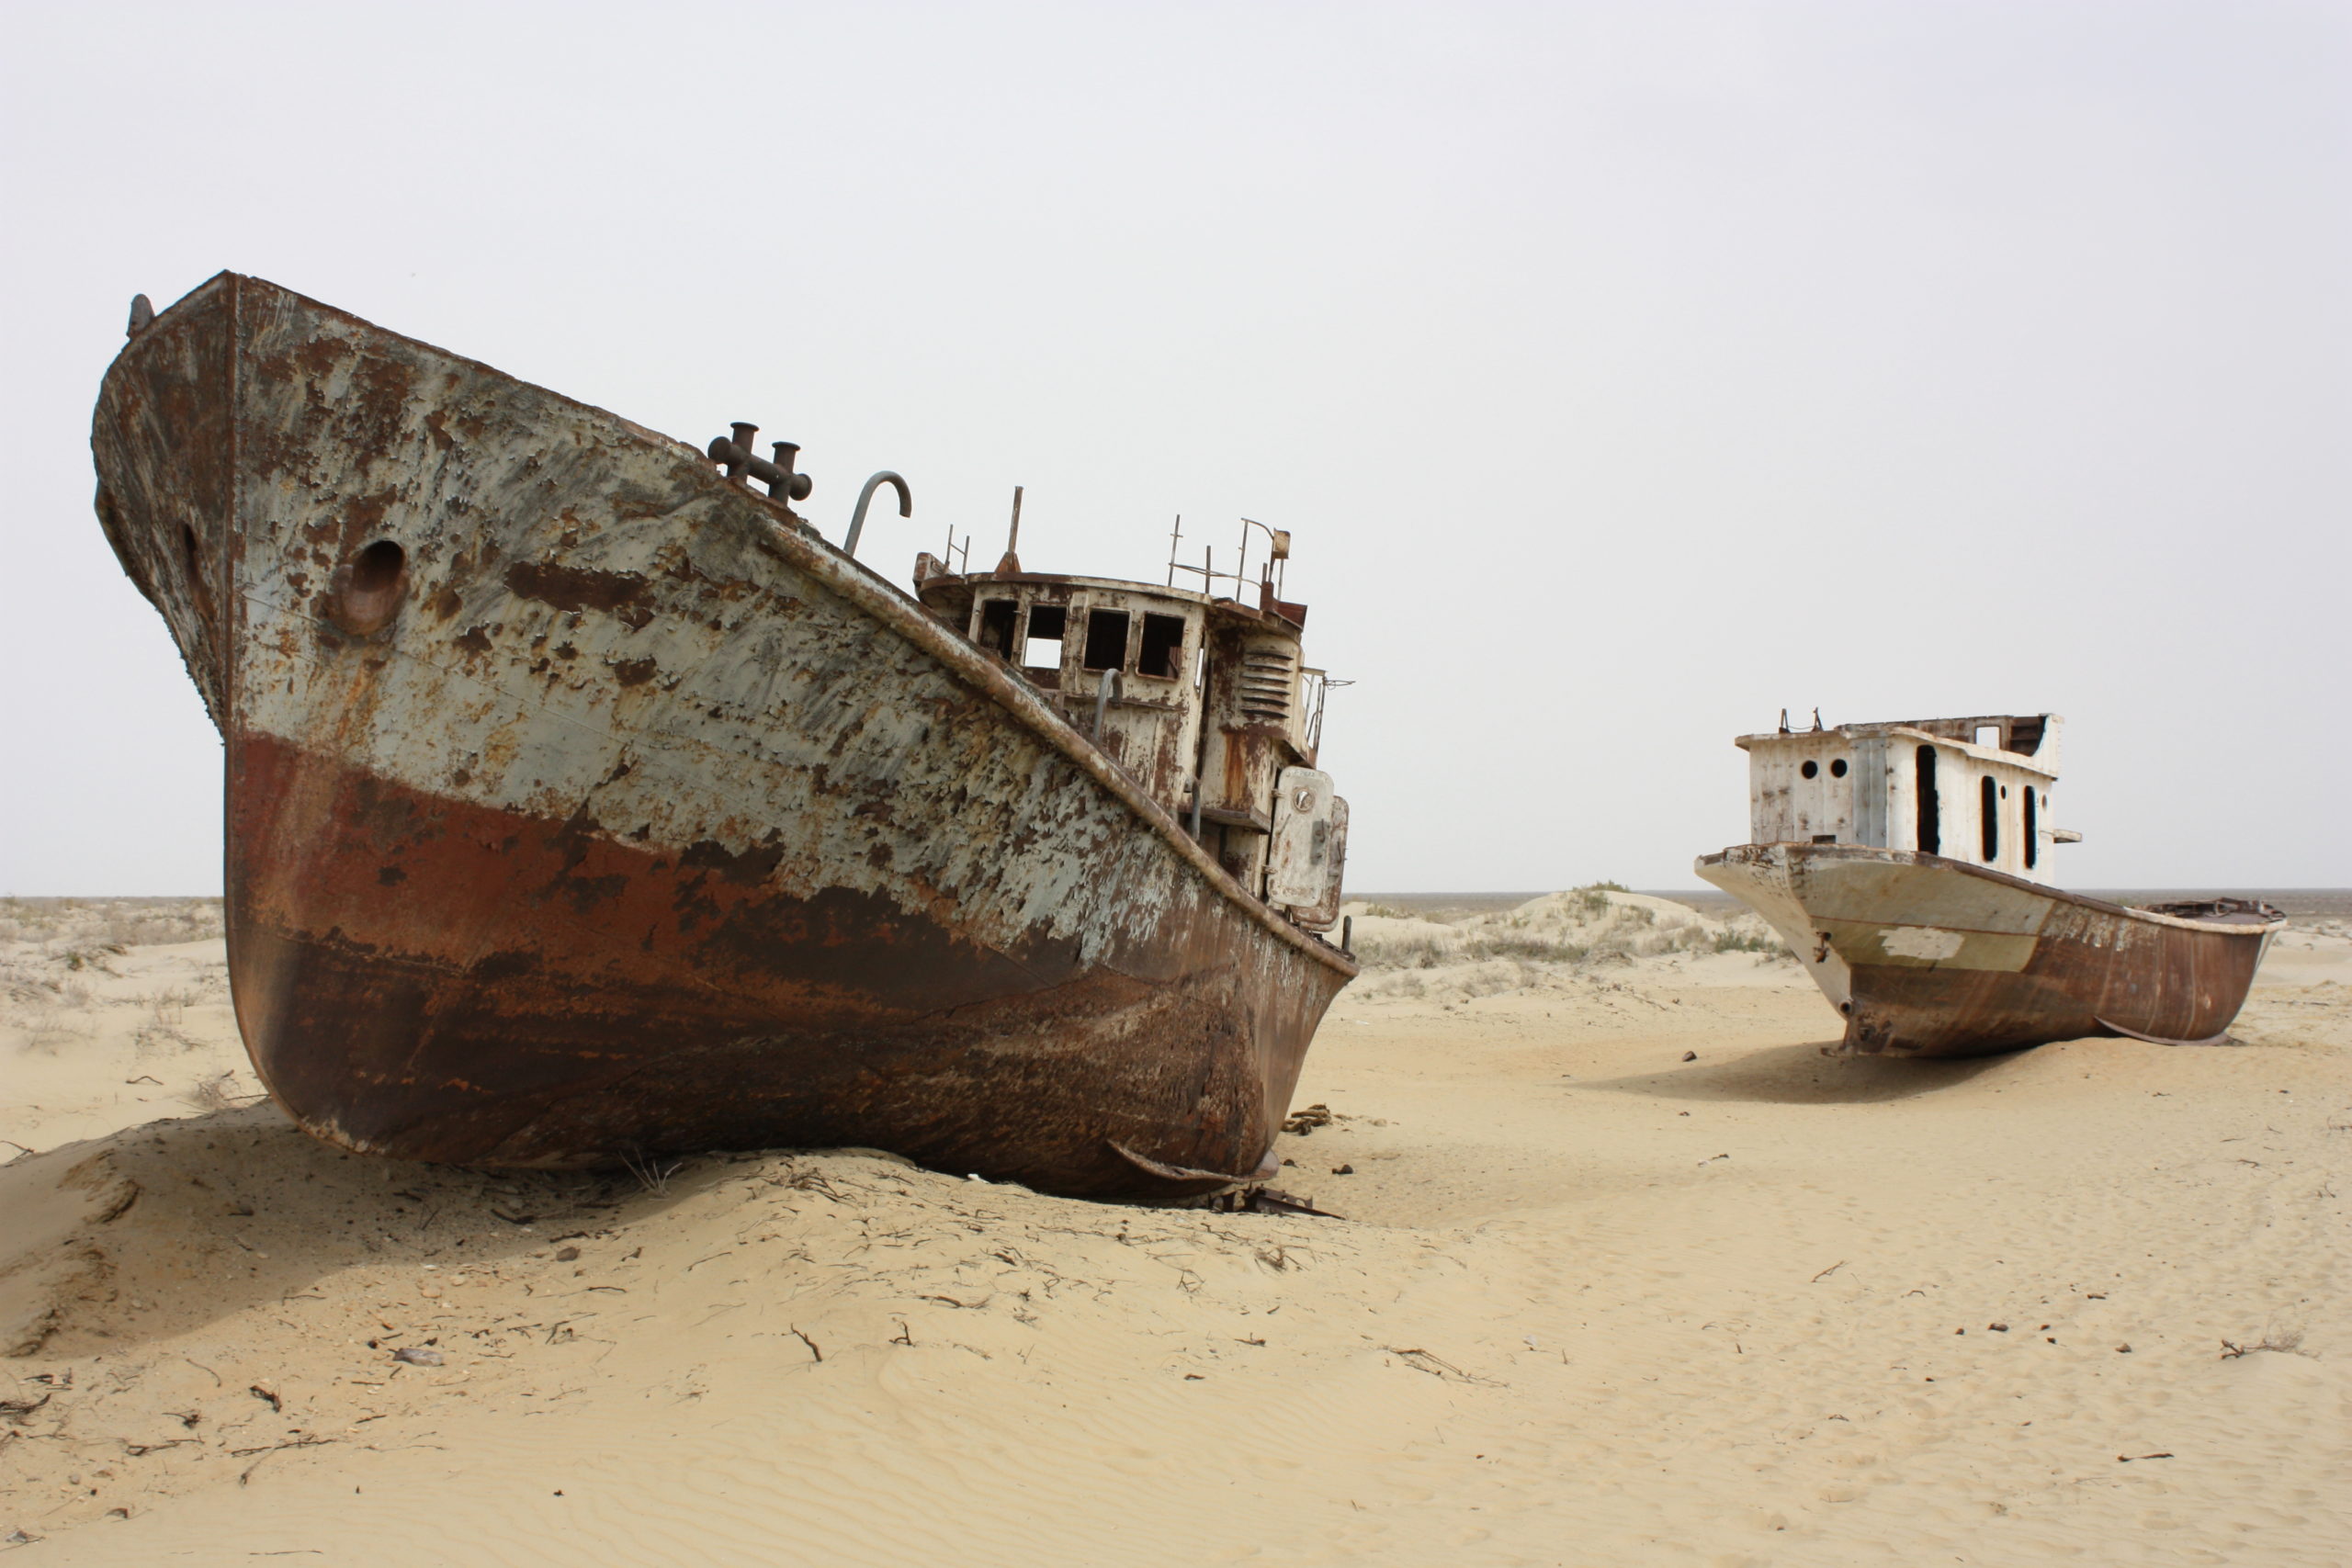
1593	1304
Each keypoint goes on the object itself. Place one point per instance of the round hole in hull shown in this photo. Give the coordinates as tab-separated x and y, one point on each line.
366	589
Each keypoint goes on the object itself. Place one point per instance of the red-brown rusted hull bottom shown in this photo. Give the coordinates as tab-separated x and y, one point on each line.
2187	995
438	982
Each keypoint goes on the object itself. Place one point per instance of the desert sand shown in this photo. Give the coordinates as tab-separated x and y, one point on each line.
1629	1273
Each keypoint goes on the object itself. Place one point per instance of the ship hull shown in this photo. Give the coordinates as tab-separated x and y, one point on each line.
582	805
1925	956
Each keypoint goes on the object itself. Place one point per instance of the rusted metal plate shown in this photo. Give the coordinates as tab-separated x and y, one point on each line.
1925	956
583	804
1309	847
1200	700
1324	913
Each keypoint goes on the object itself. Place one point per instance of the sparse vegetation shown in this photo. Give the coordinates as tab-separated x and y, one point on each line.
1485	954
1593	898
162	1029
1734	939
88	931
1533	949
50	1029
2289	1342
217	1092
83	973
652	1175
168	1007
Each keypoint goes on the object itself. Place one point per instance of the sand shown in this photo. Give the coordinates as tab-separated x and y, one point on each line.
1593	1304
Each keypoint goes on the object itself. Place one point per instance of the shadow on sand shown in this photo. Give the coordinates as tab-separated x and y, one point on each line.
1801	1075
222	1212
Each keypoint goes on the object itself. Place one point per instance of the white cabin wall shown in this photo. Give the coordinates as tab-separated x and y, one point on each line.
2010	782
1785	807
1959	791
1152	726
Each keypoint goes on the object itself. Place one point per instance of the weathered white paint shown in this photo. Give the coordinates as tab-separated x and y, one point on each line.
1303	869
1860	784
782	669
1920	942
1151	723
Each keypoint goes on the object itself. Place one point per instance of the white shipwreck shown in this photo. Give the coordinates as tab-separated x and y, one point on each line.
1907	866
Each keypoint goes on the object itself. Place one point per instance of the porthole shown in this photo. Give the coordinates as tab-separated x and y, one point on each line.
1838	768
377	569
366	590
1811	769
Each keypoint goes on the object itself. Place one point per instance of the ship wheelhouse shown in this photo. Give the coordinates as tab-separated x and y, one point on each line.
1972	789
1205	702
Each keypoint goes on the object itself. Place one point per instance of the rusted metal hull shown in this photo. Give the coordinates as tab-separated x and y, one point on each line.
581	805
1925	956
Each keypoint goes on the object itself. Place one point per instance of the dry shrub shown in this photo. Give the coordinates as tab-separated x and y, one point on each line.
217	1092
1536	943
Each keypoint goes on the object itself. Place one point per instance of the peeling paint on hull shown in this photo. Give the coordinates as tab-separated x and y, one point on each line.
1925	956
581	804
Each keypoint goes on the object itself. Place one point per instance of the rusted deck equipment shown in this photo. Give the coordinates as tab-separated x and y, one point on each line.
583	802
1906	864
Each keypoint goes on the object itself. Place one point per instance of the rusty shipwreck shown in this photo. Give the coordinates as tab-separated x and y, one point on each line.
584	803
1906	865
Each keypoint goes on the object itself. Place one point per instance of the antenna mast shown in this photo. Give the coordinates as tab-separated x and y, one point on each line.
1012	561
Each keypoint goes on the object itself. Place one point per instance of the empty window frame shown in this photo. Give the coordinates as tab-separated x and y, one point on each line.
1162	652
1989	817
2032	829
1931	833
997	617
1106	639
1048	623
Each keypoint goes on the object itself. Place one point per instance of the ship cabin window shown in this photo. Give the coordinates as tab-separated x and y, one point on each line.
2032	833
1931	833
1989	816
1838	768
1106	639
1163	647
1990	735
1811	768
997	617
1046	625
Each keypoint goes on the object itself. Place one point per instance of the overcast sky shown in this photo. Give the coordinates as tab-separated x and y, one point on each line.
1624	372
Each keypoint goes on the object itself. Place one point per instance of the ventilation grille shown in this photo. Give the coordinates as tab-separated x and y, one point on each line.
1268	677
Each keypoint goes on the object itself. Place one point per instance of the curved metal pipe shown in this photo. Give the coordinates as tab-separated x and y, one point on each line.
857	519
1106	686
